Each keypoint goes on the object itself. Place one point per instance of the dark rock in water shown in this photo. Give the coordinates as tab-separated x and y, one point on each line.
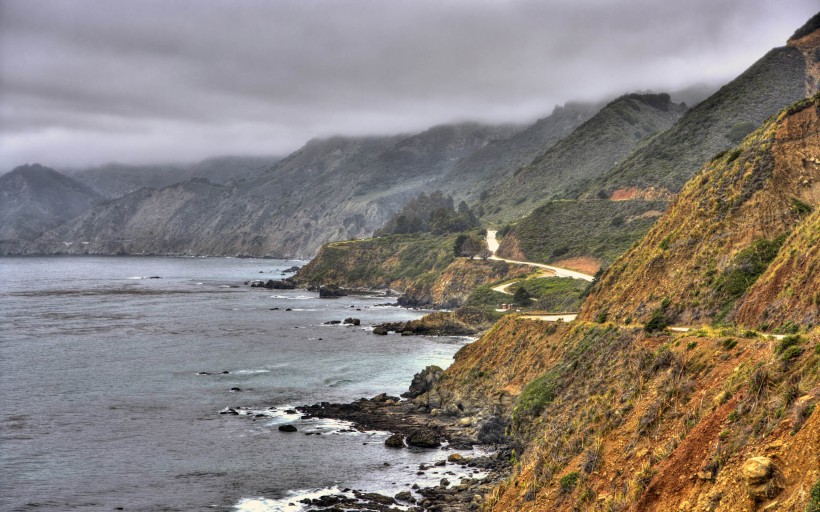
224	372
290	411
274	309
332	322
288	309
384	397
353	321
444	482
230	411
493	431
236	389
394	441
405	496
423	438
287	428
275	284
154	277
203	373
380	330
374	498
294	268
423	381
331	291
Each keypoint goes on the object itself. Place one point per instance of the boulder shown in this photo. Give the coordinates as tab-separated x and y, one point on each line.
423	381
405	496
762	478
492	431
287	428
380	330
330	292
332	322
456	458
394	441
423	438
352	321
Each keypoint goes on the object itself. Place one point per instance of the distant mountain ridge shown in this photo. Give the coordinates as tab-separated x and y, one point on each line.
34	198
330	189
116	180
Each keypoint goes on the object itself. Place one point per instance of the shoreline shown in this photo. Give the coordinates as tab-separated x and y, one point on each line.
414	428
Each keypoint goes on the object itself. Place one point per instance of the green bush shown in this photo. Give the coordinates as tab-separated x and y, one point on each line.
569	481
537	395
814	498
740	130
746	267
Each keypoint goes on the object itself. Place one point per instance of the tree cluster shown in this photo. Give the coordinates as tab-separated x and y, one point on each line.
434	213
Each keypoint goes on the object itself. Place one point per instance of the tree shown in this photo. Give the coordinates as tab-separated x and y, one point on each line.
522	297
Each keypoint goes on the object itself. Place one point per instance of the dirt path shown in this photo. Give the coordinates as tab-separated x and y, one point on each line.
492	245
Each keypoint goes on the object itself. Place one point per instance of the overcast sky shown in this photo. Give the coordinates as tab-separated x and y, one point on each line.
92	81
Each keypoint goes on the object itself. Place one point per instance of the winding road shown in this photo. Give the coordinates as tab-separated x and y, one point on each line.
492	245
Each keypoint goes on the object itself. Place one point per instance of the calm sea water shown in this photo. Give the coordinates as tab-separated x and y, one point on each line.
102	403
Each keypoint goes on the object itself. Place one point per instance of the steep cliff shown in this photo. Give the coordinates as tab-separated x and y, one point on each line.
723	231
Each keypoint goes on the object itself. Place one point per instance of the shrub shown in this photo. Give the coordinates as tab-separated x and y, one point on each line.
740	130
787	343
814	498
537	395
729	343
569	481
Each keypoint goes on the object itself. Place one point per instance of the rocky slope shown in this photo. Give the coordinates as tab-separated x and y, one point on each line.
722	233
588	152
34	198
607	418
781	77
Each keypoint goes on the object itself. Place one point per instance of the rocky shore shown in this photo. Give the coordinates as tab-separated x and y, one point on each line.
413	426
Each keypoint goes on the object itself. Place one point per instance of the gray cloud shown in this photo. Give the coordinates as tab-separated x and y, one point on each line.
89	81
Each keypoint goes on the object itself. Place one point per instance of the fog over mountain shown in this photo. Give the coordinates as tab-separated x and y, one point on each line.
93	81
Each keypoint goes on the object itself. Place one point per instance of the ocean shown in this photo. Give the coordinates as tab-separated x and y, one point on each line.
114	370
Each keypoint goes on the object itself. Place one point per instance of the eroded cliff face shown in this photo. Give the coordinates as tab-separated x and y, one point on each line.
696	264
605	417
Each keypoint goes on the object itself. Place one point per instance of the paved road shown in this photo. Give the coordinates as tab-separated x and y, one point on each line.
492	245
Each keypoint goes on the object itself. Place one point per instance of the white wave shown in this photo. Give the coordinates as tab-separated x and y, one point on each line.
135	277
289	503
251	372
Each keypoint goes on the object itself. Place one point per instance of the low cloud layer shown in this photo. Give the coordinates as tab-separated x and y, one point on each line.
90	81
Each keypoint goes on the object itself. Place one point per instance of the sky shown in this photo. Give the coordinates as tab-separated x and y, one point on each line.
86	82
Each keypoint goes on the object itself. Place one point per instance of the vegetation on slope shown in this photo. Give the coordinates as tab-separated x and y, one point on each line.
591	150
422	267
434	214
723	231
598	229
638	422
